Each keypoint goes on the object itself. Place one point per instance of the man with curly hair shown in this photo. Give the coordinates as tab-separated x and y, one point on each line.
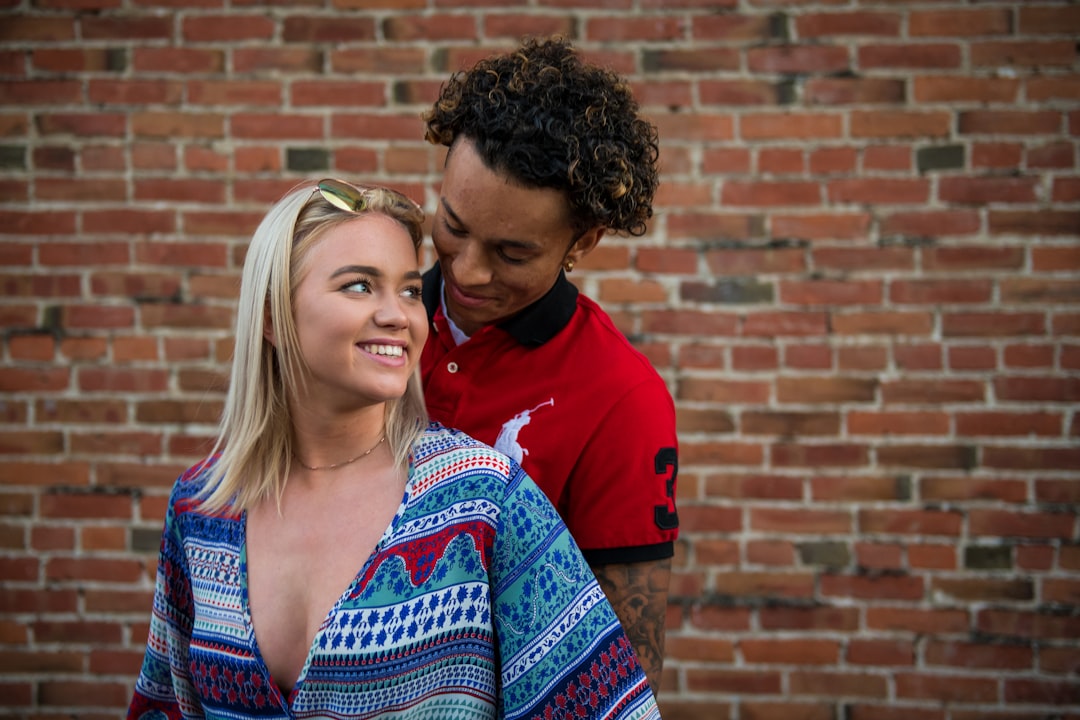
547	154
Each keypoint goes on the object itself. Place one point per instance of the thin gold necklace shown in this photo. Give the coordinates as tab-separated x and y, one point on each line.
342	464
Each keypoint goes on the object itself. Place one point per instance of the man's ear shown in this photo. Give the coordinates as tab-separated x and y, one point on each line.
585	244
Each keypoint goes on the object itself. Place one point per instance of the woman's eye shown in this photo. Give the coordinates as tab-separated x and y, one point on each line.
413	292
357	286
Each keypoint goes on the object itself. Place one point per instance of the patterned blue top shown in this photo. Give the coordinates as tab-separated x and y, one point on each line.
476	603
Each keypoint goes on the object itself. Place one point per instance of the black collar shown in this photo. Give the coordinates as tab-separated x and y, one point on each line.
534	325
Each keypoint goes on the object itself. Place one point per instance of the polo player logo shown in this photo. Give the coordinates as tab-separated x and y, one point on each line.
507	442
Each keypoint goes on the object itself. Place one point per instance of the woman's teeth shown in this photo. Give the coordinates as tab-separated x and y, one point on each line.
388	350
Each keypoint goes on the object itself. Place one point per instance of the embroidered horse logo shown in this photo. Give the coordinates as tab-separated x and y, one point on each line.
507	442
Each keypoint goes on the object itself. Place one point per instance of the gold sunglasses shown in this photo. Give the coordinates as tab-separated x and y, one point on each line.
354	199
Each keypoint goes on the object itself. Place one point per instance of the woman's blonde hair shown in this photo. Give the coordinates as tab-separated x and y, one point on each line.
255	439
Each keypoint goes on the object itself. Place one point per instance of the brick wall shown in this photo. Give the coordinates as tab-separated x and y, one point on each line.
861	284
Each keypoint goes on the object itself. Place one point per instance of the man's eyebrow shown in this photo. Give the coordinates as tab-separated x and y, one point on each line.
527	245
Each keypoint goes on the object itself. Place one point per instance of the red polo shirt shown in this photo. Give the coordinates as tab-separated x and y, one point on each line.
559	389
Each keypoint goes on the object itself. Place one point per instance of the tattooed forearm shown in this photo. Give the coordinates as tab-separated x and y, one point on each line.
638	592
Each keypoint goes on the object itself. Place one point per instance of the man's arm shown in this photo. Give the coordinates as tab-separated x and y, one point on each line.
639	592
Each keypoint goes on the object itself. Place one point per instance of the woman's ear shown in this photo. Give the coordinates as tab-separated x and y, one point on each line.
268	325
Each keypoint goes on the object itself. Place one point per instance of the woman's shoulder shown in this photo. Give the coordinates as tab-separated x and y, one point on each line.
443	453
191	487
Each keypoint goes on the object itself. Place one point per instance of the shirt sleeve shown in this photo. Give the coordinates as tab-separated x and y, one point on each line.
163	688
620	503
562	650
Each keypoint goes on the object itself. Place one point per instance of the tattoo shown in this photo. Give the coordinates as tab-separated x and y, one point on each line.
638	592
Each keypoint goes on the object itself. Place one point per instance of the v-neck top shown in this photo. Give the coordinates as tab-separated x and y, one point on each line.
475	603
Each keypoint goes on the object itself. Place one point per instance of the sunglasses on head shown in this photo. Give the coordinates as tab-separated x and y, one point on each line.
351	198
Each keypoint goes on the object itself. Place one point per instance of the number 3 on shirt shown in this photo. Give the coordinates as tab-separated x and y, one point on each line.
666	516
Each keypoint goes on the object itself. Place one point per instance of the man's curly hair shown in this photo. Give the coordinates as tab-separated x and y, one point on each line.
549	120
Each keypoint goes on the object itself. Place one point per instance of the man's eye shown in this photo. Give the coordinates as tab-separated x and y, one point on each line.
455	231
511	259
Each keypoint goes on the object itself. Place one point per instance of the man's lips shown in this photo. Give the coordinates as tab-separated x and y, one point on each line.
464	299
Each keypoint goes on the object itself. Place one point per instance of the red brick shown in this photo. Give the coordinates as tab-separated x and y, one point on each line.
1059	156
879	556
963	89
1048	19
831	292
775	553
93	570
965	357
982	190
875	191
821	226
872	588
830	455
893	712
932	557
972	257
751	93
897	653
910	522
732	681
1022	53
941	292
825	390
936	56
1003	523
996	156
960	23
979	655
698	225
801	522
771	324
854	488
1056	692
1009	122
1031	458
720	453
973	324
829	24
774	487
1059	660
1023	222
1037	389
770	193
1057	491
799	651
980	590
797	59
864	259
897	423
768	584
790	126
1026	624
838	619
1048	424
951	688
936	621
885	124
781	161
